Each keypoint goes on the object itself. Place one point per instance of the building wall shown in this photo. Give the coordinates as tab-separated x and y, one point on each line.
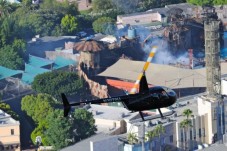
143	18
167	138
97	90
120	126
90	59
8	139
210	120
224	87
109	144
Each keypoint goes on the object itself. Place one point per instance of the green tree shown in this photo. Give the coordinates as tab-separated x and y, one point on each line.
6	108
126	7
159	130
100	25
102	5
10	59
69	24
200	2
5	8
26	3
187	113
150	134
55	83
19	45
38	106
132	138
84	124
40	130
59	133
185	125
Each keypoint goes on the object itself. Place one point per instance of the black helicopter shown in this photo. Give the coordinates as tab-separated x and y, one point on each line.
148	98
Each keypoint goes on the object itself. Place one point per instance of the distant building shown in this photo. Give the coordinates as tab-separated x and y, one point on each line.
9	133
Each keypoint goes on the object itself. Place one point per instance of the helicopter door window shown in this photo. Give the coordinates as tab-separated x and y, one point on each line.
164	93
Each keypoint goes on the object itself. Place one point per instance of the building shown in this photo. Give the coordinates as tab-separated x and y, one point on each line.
180	79
116	123
89	52
156	16
9	133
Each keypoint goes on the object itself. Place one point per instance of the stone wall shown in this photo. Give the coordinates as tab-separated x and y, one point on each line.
97	90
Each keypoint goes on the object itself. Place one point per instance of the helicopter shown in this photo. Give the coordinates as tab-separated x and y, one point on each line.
146	99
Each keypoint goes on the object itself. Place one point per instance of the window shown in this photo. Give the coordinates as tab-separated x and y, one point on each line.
12	131
171	138
199	132
194	134
214	115
190	134
153	143
203	132
182	135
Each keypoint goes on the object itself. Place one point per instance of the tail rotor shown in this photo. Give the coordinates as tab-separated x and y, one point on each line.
66	104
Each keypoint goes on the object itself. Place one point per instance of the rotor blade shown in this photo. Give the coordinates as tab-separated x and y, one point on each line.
149	59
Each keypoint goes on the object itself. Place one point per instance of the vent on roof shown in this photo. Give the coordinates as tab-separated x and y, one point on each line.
94	112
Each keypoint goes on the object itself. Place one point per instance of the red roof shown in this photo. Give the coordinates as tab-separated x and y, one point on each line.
89	46
122	84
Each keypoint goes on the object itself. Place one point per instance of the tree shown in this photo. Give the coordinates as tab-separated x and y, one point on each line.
100	24
69	24
38	106
110	29
5	8
19	45
150	134
187	113
84	124
10	59
159	130
126	7
6	108
55	83
101	5
185	124
40	130
132	138
59	133
201	2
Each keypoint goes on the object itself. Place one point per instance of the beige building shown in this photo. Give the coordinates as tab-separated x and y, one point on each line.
111	120
9	133
139	18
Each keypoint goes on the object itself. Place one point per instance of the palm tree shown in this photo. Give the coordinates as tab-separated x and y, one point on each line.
187	113
150	135
5	8
132	138
159	129
185	124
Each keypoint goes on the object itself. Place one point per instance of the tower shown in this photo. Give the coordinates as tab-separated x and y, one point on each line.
211	106
212	53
